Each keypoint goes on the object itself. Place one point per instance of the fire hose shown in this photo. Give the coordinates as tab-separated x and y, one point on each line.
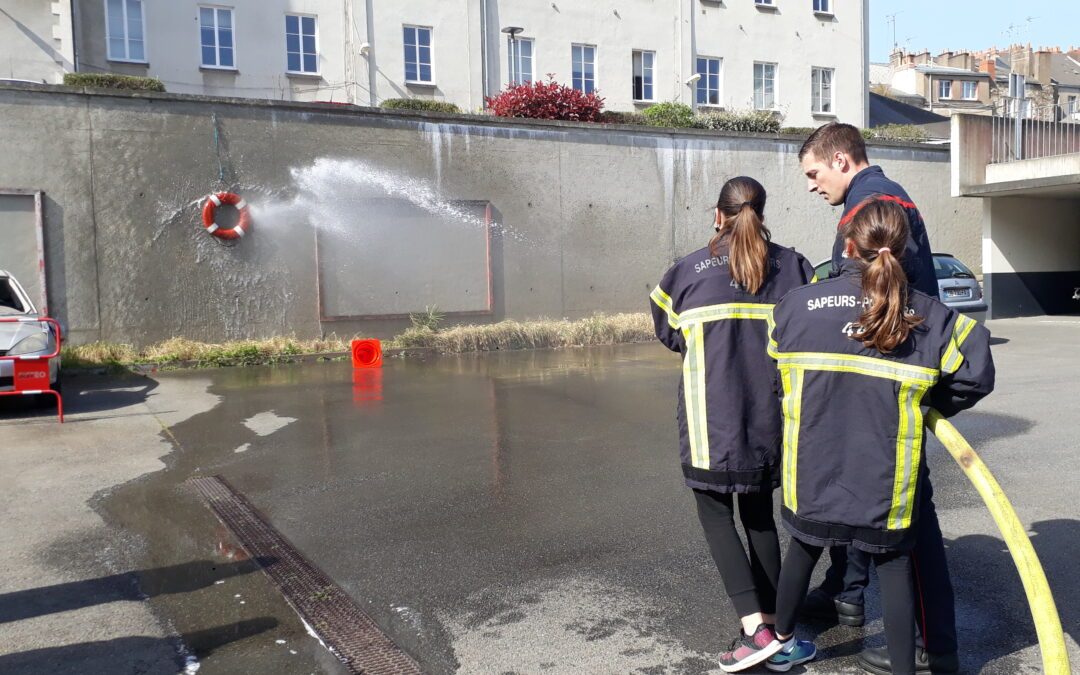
1043	610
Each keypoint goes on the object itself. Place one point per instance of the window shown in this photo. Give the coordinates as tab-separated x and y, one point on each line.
124	30
644	63
216	35
821	90
767	3
971	90
418	55
584	62
823	6
521	60
765	86
708	86
944	89
1070	106
301	52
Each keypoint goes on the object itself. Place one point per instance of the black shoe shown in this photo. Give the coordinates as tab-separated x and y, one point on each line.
821	606
877	661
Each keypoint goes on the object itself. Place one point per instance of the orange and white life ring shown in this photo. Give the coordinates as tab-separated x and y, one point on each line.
242	227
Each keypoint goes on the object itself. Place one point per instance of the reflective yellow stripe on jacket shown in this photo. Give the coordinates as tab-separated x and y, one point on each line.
692	322
952	359
792	379
909	440
663	301
914	381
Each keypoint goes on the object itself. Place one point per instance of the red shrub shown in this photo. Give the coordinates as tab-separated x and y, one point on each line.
547	101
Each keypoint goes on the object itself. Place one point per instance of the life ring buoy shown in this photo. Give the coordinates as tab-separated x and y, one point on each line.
214	200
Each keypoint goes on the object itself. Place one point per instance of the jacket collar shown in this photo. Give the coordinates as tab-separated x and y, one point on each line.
849	268
869	173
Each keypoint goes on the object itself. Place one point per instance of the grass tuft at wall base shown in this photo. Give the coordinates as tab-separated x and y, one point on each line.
600	329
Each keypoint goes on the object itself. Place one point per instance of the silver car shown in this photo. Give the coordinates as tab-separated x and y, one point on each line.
957	286
23	338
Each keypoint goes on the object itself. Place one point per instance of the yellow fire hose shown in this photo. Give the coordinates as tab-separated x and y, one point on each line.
1043	609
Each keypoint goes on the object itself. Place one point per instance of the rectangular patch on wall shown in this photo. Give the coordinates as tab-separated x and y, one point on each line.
22	242
392	258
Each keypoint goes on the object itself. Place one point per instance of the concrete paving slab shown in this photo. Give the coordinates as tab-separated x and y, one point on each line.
74	596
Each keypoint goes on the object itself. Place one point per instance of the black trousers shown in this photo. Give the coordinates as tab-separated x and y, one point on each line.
935	602
897	581
750	583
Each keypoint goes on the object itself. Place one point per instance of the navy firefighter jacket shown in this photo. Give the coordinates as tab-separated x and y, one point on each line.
728	410
918	262
853	464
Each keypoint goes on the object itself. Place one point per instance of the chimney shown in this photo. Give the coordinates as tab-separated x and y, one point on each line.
1020	59
896	59
963	60
1041	66
989	65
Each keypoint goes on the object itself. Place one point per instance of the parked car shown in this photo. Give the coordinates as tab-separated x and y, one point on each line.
23	339
957	285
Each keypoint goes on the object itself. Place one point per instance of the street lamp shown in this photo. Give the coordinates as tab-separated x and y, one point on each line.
512	47
692	83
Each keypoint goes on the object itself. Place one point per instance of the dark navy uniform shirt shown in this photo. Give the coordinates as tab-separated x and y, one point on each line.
871	183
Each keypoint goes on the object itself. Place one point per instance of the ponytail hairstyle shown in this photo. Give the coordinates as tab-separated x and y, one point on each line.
744	235
879	232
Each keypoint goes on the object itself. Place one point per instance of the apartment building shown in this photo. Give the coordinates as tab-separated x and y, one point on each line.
1051	75
806	59
975	82
943	84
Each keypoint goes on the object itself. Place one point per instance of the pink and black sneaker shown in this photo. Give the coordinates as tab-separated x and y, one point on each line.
749	650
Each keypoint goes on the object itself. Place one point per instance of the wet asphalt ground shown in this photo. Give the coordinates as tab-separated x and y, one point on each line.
524	512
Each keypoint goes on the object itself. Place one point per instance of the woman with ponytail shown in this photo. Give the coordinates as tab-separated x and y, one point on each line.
712	307
858	355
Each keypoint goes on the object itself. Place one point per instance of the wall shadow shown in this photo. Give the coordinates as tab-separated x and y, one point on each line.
136	585
82	394
143	653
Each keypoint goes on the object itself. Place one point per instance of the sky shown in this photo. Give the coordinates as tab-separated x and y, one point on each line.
939	25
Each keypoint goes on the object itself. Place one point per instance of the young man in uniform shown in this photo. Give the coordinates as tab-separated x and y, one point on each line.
834	161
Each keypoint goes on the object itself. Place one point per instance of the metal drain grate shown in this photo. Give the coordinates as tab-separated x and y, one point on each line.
339	622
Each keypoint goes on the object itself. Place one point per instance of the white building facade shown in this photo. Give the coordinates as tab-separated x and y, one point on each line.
806	59
36	41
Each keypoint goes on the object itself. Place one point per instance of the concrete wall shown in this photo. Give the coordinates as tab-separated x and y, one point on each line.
469	50
36	41
590	216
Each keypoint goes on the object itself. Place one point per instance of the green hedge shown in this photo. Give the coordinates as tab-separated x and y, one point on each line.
671	115
113	81
419	104
761	121
681	116
895	132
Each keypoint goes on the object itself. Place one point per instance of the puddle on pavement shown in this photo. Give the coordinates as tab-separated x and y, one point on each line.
470	504
424	484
